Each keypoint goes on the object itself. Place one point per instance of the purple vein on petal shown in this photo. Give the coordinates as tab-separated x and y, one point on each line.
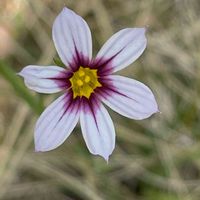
104	65
90	106
69	108
56	112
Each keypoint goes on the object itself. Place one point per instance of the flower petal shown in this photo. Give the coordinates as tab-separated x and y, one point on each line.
98	129
124	47
129	97
71	34
44	79
56	123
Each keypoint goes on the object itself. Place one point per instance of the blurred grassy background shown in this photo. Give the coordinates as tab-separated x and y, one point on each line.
154	159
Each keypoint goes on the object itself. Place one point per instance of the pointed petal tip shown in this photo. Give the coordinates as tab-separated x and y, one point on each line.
105	157
20	74
144	29
37	150
65	9
158	111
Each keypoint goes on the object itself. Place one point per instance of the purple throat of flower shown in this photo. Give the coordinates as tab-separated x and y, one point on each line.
87	82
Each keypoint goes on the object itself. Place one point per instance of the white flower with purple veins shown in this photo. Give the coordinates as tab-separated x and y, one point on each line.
88	82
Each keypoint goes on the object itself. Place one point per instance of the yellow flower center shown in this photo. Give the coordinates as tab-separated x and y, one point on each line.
84	81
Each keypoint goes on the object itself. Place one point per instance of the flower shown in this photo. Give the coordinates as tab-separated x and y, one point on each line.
87	83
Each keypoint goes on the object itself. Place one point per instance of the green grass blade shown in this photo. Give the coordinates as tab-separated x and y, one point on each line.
9	74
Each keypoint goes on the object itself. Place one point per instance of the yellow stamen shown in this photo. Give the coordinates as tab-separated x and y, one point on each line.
87	79
79	82
84	82
81	73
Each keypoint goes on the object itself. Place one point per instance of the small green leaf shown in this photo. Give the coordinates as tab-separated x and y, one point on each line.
58	62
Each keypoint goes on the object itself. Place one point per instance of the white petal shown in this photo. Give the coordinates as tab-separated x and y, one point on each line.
98	130
43	79
71	32
124	47
130	98
55	124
